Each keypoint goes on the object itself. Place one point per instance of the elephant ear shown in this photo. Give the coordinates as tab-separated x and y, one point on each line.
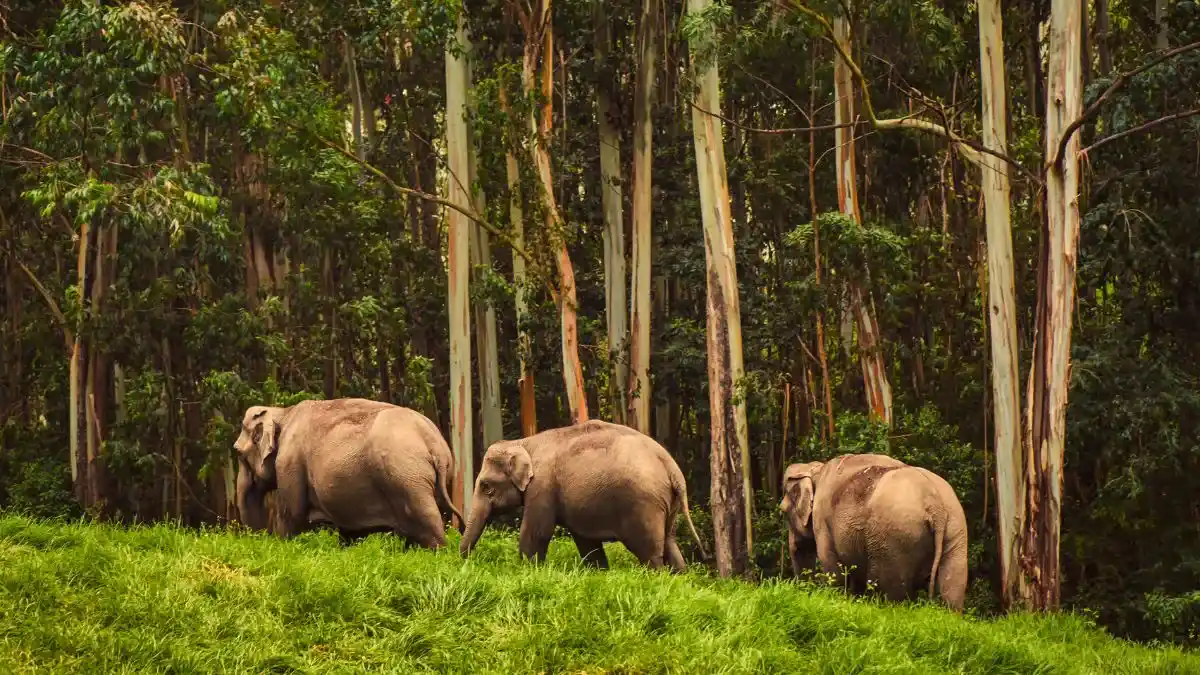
798	491
518	465
266	437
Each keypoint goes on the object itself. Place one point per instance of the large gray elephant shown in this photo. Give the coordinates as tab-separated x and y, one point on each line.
899	526
601	481
359	465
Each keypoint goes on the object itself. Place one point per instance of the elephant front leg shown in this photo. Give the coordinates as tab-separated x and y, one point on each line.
592	552
291	507
537	527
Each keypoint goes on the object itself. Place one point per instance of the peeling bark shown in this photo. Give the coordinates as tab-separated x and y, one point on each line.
611	189
639	308
1001	304
862	306
459	226
1049	377
516	217
730	454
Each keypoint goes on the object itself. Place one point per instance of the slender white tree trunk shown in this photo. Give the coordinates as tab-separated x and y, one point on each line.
639	307
1049	376
611	187
459	227
730	454
1002	304
861	305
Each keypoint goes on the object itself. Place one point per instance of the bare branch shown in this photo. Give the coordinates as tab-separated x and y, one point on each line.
68	334
972	152
1140	128
1117	84
785	130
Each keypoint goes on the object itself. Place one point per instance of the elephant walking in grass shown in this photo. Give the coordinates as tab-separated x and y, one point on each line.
899	526
601	481
359	465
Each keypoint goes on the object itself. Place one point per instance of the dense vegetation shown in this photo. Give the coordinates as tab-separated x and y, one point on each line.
77	599
208	155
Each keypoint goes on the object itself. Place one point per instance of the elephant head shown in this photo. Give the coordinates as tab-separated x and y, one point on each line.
799	484
503	478
257	447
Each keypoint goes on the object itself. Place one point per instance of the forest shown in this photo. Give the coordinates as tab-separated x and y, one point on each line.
961	234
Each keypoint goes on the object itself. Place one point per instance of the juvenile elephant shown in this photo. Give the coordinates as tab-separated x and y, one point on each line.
355	464
900	526
601	481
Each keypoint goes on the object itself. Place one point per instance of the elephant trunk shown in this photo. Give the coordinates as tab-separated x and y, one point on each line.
480	511
252	509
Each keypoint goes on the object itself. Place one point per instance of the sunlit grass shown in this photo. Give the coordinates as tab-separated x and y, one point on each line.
85	598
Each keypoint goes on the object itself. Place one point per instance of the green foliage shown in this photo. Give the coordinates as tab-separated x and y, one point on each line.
158	597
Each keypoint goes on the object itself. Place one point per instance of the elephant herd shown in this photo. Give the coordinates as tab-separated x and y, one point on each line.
363	466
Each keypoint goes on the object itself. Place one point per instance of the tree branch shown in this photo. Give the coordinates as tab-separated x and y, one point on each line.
972	152
381	175
68	334
1140	128
785	130
1117	84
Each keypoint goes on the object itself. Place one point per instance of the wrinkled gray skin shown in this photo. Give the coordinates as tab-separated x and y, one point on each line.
361	466
901	526
601	481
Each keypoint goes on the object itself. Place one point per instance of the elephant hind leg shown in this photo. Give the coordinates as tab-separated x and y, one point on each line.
425	525
592	552
674	556
646	541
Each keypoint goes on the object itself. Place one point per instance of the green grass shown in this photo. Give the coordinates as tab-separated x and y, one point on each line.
80	598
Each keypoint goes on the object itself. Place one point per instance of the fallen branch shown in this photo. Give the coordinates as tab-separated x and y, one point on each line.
1140	128
1117	84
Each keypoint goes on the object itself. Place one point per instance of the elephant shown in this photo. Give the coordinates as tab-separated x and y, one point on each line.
601	481
898	525
358	465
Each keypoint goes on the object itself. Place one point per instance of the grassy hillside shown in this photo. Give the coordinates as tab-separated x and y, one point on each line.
85	598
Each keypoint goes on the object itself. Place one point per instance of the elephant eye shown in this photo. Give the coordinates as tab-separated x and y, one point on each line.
488	489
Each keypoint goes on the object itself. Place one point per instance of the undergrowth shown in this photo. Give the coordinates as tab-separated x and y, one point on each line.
78	598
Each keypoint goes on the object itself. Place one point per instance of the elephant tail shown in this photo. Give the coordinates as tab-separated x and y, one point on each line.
440	479
939	535
687	514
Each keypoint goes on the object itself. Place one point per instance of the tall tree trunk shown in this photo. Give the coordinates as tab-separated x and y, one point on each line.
75	411
822	353
1049	376
1162	40
539	30
730	454
639	307
1103	37
1001	295
862	305
611	190
516	217
459	226
487	355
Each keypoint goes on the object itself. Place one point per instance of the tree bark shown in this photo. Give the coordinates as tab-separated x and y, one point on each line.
1103	37
611	194
488	358
822	353
516	217
862	306
1162	40
639	307
1002	304
730	453
459	225
1049	377
540	31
